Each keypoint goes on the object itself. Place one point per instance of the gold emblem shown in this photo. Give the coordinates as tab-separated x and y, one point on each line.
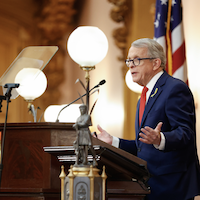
156	90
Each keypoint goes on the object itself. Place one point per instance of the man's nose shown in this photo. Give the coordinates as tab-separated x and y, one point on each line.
131	65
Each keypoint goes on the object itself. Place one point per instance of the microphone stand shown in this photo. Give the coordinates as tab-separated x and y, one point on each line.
87	93
7	98
69	105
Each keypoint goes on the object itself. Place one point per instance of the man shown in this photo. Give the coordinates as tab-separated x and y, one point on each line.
165	136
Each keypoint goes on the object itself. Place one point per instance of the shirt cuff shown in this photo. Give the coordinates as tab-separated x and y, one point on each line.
162	142
115	142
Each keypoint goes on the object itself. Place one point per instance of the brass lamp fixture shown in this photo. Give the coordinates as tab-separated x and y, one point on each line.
33	83
87	46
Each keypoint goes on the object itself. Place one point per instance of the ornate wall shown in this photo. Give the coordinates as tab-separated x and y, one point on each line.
16	30
35	22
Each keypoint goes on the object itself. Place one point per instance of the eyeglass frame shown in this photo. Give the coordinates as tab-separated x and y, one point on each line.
132	60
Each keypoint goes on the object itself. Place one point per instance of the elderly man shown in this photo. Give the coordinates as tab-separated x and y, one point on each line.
164	126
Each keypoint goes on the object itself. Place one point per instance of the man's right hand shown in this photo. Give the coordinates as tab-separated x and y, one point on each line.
104	136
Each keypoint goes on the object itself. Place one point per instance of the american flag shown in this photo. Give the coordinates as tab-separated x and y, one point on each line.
168	31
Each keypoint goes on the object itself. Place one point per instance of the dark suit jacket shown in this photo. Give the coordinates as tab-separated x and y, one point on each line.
175	170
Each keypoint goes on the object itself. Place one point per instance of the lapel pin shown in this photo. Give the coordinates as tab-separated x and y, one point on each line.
156	90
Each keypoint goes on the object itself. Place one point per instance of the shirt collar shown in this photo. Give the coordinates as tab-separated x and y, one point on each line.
152	82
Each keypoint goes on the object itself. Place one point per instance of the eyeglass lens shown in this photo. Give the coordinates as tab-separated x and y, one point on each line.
134	61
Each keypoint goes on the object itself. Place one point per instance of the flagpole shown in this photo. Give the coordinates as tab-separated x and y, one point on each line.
169	48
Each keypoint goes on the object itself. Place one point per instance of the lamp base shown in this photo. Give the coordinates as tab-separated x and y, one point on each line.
32	110
83	183
87	69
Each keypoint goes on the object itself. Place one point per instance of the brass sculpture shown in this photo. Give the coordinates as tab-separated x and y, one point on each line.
83	142
83	180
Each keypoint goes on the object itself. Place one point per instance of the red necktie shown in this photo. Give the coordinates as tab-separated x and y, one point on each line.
142	103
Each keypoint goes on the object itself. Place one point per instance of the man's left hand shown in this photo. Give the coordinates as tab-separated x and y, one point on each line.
151	136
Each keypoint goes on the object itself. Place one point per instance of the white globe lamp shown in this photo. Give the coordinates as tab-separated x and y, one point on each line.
33	84
132	85
87	46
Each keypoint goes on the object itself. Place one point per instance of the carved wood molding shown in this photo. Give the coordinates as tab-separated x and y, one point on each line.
54	19
120	13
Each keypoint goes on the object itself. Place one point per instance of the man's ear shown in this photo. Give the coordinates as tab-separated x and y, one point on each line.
156	63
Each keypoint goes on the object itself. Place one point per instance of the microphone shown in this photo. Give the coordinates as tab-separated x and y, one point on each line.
96	86
10	86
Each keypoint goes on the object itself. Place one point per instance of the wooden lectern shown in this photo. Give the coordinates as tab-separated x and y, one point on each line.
34	153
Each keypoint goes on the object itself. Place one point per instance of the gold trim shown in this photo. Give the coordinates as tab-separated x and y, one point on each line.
62	177
85	171
71	182
104	177
87	69
91	176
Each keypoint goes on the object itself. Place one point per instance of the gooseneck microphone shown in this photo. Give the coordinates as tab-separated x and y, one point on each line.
96	86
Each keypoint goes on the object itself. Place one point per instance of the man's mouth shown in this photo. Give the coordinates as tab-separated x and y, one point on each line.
133	73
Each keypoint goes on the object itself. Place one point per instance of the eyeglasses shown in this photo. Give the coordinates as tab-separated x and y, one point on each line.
135	61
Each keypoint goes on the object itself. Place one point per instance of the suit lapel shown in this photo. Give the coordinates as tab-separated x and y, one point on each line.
157	90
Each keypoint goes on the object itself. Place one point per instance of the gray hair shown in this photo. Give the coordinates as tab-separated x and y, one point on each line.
155	50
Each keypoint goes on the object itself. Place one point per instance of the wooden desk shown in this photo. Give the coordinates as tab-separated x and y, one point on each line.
31	173
28	171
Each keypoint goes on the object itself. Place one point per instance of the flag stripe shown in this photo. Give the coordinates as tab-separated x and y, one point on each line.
181	73
177	33
178	57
